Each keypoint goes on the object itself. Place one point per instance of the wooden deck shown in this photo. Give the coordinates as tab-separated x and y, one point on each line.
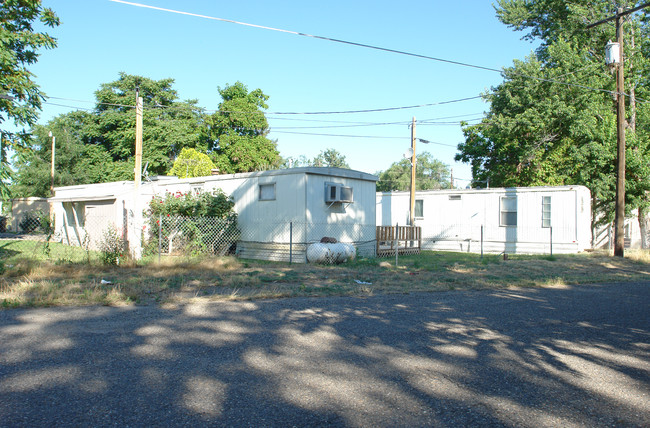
406	239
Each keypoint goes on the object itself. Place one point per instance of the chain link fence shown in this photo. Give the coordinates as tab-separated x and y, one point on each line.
504	239
173	236
34	237
289	241
293	242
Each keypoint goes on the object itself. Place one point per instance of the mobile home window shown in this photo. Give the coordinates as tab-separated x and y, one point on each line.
267	192
508	211
546	211
419	208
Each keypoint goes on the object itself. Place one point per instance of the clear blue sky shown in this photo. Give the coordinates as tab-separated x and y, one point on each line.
99	38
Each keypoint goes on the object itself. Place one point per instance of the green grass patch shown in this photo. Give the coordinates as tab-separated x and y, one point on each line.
39	281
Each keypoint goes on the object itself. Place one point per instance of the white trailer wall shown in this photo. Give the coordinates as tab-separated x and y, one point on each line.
453	219
267	202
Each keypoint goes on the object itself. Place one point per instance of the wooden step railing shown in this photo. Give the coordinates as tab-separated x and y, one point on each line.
406	239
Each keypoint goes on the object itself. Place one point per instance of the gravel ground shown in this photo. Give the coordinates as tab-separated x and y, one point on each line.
571	357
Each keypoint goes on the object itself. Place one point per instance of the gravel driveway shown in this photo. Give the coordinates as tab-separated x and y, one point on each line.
570	357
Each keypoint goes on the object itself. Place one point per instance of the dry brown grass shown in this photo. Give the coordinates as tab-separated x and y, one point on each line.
229	278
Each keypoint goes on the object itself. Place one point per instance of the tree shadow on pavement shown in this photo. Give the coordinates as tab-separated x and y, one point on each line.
572	356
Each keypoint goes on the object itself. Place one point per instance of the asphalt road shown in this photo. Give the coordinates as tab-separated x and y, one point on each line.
576	356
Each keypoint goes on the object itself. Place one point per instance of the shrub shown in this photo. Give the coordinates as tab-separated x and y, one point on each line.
192	222
30	222
112	247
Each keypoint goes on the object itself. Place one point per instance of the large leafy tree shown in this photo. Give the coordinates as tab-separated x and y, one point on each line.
20	96
98	146
237	131
430	174
75	161
168	124
552	121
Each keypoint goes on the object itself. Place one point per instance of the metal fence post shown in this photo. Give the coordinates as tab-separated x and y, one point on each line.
159	236
481	242
396	244
290	242
551	238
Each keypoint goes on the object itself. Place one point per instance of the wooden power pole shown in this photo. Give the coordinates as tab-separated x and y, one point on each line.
138	140
52	164
619	220
413	160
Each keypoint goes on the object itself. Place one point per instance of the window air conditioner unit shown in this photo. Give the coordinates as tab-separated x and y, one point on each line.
338	193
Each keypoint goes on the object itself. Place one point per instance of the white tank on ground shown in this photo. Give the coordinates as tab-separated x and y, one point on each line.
320	252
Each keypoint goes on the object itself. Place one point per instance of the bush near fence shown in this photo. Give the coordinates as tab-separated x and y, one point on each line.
178	235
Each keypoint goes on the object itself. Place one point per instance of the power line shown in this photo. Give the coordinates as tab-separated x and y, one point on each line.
296	33
339	135
91	102
375	110
363	45
422	140
66	106
366	124
363	136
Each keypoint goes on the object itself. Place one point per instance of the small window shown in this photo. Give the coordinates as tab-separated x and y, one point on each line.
454	197
546	211
419	208
267	192
508	211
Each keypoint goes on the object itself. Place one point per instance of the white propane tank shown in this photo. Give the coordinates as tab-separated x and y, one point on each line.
318	253
330	253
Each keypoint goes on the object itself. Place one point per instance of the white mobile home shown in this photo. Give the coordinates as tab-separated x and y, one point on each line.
297	205
511	220
275	208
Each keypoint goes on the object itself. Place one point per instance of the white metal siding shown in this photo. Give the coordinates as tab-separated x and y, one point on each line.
453	224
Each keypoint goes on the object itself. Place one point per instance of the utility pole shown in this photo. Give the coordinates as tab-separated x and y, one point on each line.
52	170
138	140
619	220
413	159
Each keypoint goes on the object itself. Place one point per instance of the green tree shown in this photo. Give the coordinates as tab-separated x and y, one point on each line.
20	96
552	121
330	158
430	174
295	162
75	161
168	124
98	146
191	163
237	132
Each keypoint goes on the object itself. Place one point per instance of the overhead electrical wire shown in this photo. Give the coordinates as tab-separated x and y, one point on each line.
341	135
297	33
400	123
368	46
376	110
